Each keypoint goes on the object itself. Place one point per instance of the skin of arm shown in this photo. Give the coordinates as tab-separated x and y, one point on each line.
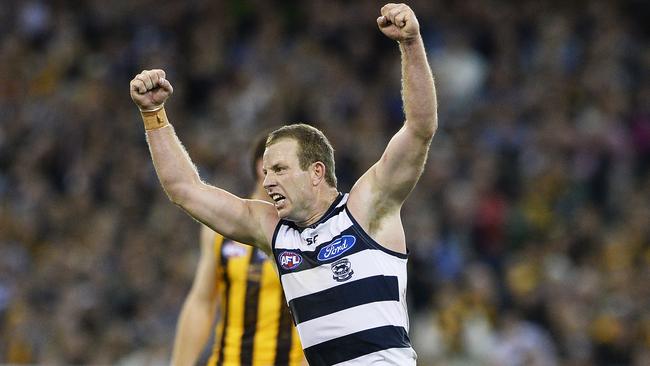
233	217
376	198
243	220
198	312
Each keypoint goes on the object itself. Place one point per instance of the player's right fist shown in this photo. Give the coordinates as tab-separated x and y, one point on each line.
398	22
150	89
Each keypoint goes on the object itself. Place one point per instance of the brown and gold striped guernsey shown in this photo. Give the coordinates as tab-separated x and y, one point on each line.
255	327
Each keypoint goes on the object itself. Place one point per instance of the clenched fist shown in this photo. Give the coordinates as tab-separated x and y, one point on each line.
150	89
398	22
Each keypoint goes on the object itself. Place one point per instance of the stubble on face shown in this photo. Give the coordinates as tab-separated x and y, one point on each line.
287	181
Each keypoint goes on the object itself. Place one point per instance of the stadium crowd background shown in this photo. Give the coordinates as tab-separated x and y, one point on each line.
529	230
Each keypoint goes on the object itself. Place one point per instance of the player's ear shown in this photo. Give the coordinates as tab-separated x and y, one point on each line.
317	172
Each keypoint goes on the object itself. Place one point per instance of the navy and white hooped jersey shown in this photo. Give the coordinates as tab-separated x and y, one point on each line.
347	293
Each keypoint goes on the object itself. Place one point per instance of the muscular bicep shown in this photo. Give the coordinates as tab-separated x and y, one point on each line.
243	220
393	177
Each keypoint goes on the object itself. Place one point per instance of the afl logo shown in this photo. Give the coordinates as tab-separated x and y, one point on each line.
337	247
342	270
289	260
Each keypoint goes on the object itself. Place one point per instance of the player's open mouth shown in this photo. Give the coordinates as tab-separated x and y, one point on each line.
277	198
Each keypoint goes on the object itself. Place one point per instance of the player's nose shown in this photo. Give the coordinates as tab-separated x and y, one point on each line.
269	181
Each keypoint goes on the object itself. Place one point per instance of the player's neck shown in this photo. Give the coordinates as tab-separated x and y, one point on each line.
322	203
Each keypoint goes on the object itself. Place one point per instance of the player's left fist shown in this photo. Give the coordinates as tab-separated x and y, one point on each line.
398	22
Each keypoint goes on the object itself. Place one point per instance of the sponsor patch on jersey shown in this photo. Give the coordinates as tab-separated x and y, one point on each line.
336	248
289	260
342	270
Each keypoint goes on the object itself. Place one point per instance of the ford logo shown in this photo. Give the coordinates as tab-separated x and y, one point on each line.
337	247
289	260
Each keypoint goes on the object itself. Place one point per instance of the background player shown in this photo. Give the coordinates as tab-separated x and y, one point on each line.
237	285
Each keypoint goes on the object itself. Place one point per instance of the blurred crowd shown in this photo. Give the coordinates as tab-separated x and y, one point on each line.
529	231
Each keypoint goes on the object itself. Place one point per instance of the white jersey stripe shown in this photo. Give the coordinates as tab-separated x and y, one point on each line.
289	238
350	321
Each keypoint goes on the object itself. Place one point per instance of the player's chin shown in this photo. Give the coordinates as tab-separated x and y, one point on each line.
282	210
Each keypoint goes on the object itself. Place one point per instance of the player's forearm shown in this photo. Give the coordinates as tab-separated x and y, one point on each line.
418	89
172	163
192	332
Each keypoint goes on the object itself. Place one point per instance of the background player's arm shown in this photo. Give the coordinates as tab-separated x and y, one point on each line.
246	221
380	192
198	312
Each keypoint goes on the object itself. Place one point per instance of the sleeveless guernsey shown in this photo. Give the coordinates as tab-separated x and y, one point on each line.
347	293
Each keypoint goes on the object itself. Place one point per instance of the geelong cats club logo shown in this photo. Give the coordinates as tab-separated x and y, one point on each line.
342	270
289	260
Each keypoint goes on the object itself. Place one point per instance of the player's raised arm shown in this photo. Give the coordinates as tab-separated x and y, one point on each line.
247	221
393	177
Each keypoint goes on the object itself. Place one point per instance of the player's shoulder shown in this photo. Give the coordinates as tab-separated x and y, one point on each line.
265	214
